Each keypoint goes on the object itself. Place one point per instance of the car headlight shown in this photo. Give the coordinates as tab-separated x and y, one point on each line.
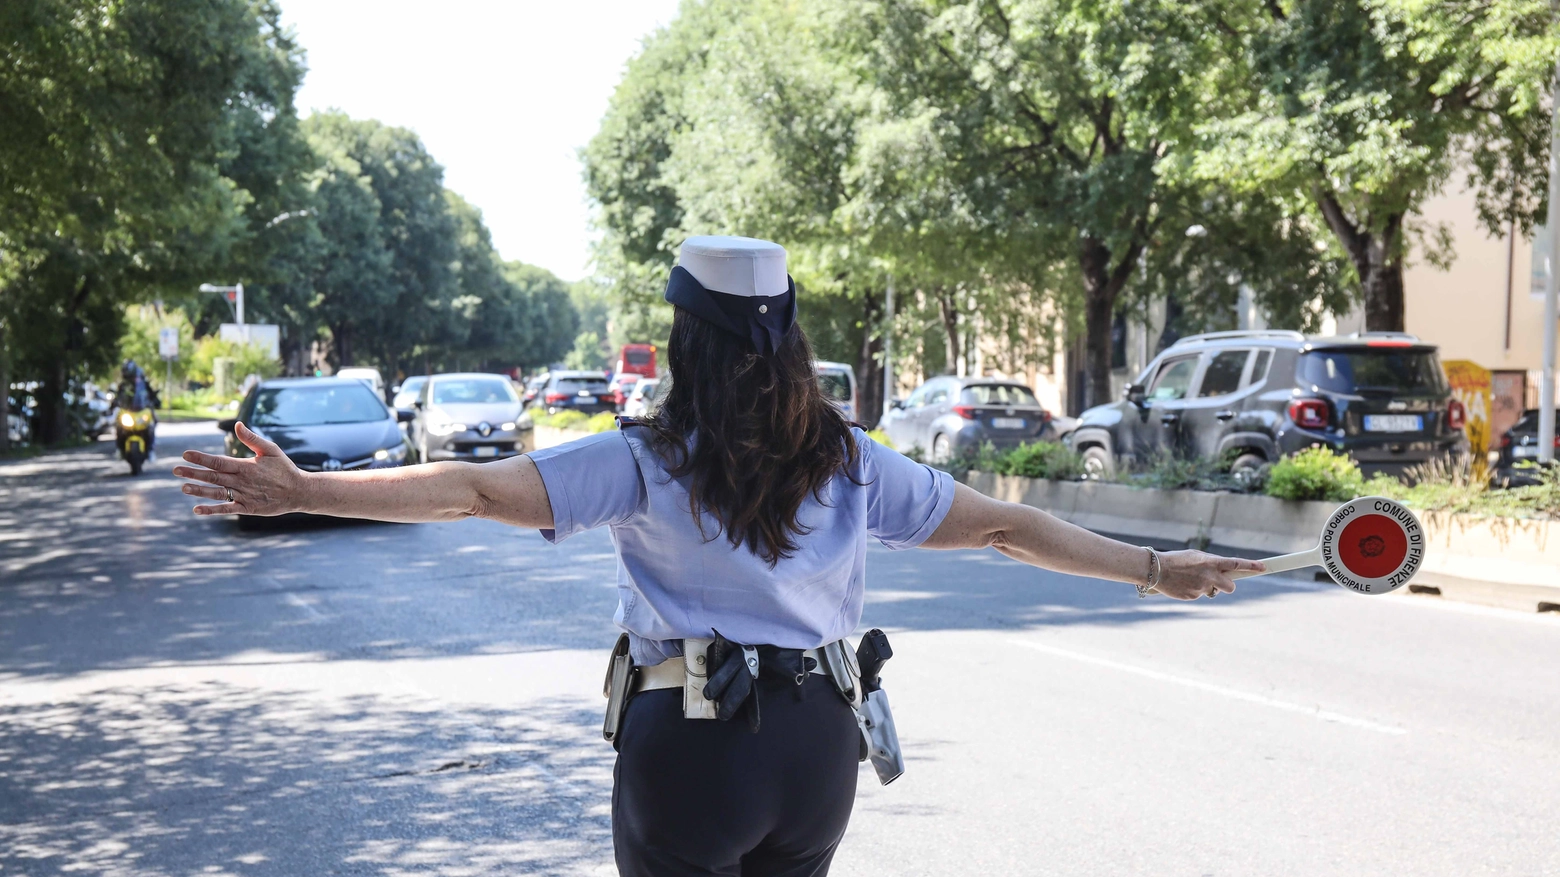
445	428
507	426
395	454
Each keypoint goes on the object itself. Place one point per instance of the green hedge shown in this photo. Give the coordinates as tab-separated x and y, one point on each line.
577	420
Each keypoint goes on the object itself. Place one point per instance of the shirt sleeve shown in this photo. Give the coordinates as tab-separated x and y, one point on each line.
591	482
906	500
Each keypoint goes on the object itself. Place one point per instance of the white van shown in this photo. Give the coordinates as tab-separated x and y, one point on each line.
838	382
369	376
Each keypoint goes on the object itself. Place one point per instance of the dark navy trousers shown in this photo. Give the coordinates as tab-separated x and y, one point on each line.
705	797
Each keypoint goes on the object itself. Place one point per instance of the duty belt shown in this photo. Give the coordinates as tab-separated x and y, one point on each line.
719	679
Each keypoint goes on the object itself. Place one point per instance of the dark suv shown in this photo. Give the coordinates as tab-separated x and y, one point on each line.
1252	397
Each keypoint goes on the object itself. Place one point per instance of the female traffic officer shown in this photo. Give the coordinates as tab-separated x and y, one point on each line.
741	511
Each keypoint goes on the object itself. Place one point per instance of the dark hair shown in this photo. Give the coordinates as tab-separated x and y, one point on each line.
753	435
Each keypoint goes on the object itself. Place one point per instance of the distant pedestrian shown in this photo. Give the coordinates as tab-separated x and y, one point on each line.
740	512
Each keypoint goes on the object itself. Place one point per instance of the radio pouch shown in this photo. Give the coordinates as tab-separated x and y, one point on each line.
617	688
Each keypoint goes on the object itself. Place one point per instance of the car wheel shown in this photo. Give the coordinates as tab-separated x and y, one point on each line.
1098	464
1248	469
942	449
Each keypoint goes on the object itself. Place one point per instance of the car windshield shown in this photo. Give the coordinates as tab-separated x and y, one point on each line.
316	406
636	357
575	385
997	394
835	385
1364	371
477	391
412	385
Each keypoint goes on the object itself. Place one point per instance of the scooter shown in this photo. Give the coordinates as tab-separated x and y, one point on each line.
133	431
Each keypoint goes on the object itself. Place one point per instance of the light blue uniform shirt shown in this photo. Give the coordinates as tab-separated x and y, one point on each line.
675	583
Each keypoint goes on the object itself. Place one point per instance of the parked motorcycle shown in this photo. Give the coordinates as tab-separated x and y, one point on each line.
133	432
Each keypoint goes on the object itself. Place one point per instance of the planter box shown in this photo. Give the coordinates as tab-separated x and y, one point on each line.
1509	562
547	436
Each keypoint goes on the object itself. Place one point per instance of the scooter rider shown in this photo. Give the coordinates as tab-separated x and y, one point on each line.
740	513
136	393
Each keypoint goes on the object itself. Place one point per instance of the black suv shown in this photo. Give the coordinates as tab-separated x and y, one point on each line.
1252	397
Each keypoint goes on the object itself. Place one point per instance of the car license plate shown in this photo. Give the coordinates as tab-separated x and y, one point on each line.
485	451
584	393
1393	423
1525	451
1007	422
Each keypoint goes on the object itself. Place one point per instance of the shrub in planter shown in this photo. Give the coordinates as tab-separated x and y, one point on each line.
1043	460
564	420
1315	474
603	422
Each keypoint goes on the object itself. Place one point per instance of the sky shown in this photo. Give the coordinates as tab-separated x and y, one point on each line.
502	92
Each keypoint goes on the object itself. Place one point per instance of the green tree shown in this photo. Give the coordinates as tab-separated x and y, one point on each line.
397	289
1063	121
130	128
1359	110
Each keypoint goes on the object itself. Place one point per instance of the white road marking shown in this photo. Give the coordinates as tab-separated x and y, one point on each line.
305	605
1234	694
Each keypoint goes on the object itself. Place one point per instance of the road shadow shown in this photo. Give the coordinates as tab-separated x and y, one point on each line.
212	778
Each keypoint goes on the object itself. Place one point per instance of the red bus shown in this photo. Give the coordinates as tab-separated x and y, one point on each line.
637	359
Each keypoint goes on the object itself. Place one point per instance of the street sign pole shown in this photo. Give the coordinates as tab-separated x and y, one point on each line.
888	350
1546	385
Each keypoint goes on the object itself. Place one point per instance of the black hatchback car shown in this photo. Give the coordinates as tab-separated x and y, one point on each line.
1519	446
588	392
322	424
1252	397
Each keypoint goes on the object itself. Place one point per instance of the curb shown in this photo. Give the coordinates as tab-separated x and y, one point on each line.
1507	562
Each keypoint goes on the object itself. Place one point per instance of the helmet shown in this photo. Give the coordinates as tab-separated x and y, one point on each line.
129	370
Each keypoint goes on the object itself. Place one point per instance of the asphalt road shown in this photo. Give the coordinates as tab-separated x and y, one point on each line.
181	697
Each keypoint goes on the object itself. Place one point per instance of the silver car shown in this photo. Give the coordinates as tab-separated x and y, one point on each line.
470	417
947	415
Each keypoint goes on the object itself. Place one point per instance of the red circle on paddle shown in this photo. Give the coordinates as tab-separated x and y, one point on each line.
1372	546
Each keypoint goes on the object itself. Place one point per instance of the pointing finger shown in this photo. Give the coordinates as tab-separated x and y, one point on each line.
211	461
1239	564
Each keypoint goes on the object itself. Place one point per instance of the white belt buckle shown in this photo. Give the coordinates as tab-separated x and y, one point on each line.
695	676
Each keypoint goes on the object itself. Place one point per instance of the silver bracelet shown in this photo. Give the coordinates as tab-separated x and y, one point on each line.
1153	573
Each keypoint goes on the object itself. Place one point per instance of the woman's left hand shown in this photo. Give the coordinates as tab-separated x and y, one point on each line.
266	484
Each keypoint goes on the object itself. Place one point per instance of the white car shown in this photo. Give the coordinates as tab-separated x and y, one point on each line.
838	382
369	376
642	398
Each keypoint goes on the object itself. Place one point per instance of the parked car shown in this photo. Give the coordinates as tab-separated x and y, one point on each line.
620	386
587	392
1518	445
404	395
643	398
470	416
532	388
330	424
946	415
369	376
1252	397
838	382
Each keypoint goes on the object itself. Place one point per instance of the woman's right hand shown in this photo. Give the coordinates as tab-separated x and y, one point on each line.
1187	575
266	484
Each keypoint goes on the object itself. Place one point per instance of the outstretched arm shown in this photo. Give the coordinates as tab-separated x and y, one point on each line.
1030	535
268	483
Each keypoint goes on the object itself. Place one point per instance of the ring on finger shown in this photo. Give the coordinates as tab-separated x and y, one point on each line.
229	493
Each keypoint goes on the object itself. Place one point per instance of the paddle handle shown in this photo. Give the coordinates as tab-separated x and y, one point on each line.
1285	563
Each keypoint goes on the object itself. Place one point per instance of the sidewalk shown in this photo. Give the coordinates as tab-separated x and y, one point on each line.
1509	563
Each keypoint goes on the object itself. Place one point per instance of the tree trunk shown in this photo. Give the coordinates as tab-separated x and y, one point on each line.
1378	262
342	337
948	305
869	368
1102	285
